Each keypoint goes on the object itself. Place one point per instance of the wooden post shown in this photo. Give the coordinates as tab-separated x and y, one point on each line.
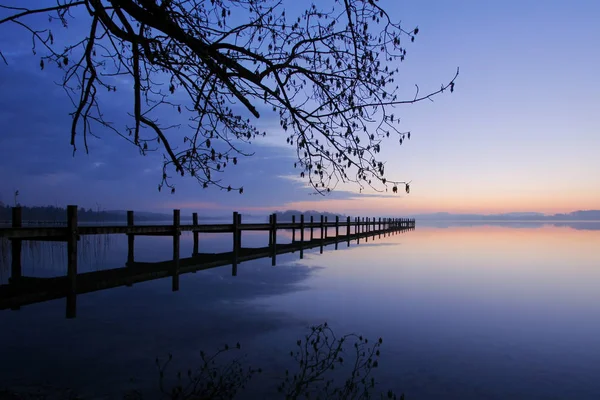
16	245
326	228
176	237
293	228
130	242
236	228
337	230
367	229
270	230
274	234
301	236
374	227
357	230
130	239
379	227
71	261
322	236
312	236
348	230
195	233
239	232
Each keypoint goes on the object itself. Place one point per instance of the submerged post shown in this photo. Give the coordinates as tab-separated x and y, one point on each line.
293	228
379	227
312	236
274	233
301	236
195	233
71	261
176	238
16	244
236	227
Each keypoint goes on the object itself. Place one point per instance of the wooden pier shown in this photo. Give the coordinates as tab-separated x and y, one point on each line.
24	290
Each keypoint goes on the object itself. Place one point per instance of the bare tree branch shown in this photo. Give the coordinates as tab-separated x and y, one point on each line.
328	75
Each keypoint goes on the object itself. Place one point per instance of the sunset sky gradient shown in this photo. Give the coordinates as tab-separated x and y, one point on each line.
521	132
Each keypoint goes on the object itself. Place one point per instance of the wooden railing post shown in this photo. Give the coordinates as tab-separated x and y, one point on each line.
176	239
130	241
239	232
195	233
301	236
293	228
337	230
374	227
236	246
274	234
367	229
312	236
270	230
130	238
72	261
379	227
358	230
322	233
348	230
16	245
326	228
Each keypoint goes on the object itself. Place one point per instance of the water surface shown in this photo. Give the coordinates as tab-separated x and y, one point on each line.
480	311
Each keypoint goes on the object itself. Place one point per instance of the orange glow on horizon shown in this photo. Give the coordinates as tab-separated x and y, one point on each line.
419	204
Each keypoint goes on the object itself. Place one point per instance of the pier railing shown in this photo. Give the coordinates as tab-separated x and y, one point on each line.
306	234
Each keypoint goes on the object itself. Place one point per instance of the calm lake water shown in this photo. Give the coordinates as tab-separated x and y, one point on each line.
477	311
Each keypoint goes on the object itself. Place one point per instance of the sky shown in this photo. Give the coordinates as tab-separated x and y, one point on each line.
521	132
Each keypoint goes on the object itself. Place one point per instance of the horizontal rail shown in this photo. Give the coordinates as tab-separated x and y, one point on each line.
39	233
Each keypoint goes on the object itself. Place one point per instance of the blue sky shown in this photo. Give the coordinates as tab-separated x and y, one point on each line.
520	132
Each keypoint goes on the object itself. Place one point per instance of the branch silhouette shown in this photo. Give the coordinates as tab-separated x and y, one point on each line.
328	75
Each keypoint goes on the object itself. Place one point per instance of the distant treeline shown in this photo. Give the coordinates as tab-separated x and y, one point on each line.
59	214
286	216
